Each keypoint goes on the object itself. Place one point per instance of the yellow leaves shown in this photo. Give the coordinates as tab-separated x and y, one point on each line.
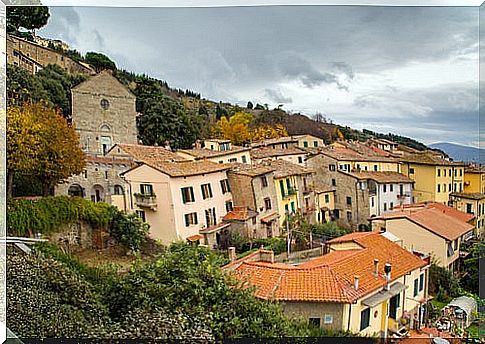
237	129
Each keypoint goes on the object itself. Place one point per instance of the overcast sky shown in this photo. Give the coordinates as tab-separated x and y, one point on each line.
411	71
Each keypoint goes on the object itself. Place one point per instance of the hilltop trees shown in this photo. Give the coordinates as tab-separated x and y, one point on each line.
99	61
41	145
27	17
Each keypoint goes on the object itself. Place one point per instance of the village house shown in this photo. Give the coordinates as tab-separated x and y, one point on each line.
365	284
474	180
307	141
181	200
103	114
253	188
284	142
294	155
219	151
294	189
386	190
471	203
431	228
384	144
434	178
324	204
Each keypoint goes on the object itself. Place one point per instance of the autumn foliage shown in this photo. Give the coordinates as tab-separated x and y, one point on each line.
238	128
41	145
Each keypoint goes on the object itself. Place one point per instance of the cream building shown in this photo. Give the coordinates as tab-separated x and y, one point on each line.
309	141
219	151
471	203
181	200
293	155
365	284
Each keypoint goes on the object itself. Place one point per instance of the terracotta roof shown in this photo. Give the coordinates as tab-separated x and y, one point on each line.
187	168
459	215
283	168
383	177
240	214
267	152
428	158
284	139
109	160
201	153
270	217
475	169
250	170
195	237
348	154
140	153
433	220
469	195
330	278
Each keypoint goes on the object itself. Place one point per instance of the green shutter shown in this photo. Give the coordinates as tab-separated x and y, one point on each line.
282	187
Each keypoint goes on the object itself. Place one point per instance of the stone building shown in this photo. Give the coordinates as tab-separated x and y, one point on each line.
103	113
253	188
351	199
32	57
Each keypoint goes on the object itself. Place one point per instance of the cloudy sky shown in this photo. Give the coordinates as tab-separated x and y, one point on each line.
411	71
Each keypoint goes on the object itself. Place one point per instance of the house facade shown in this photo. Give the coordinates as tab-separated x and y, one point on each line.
474	180
324	204
219	151
307	141
365	284
293	155
471	203
281	143
181	200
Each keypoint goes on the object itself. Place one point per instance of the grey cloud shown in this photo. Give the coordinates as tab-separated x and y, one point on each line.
345	68
276	96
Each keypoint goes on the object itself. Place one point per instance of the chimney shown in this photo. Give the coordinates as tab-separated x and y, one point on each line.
356	282
376	267
387	270
232	253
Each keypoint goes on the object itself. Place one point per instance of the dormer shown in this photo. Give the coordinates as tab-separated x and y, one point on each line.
217	145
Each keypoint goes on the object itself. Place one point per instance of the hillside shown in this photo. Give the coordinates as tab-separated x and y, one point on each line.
461	153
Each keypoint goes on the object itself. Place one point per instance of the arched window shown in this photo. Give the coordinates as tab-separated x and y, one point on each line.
75	190
105	128
118	190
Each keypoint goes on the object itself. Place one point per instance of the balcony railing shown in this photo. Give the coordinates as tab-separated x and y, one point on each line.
289	192
146	201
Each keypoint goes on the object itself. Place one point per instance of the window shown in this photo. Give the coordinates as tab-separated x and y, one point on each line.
449	187
391	205
282	188
305	144
106	174
228	206
188	194
118	190
439	172
287	209
141	215
327	198
104	104
461	172
349	216
364	319
384	188
300	160
456	172
233	160
455	244
439	187
146	189
385	206
264	181
336	213
210	217
334	183
267	203
421	282
244	159
85	173
293	209
469	208
190	219
394	305
331	167
315	321
224	186
349	200
375	167
372	202
450	251
206	191
328	319
416	281
411	171
461	187
391	187
315	143
449	174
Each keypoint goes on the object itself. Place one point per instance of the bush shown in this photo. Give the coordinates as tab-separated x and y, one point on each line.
442	283
329	230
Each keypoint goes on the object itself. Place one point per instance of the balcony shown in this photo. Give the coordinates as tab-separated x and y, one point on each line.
404	195
146	201
289	192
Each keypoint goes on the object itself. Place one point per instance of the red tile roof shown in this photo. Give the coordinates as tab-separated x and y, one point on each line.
459	215
240	214
330	278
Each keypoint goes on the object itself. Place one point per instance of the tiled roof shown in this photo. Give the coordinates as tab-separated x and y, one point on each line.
267	152
283	168
433	220
186	168
141	153
209	153
469	195
284	139
108	160
240	214
348	154
475	169
250	170
383	177
428	158
330	278
459	215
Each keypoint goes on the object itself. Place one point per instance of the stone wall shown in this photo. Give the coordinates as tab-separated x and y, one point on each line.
19	49
307	310
80	235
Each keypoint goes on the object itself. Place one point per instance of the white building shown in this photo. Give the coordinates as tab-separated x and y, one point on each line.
219	151
386	190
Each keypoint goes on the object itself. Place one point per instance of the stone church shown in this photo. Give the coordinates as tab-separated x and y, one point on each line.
103	114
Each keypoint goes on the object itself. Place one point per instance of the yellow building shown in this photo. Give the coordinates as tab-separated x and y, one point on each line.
366	284
324	204
294	189
474	180
471	203
434	178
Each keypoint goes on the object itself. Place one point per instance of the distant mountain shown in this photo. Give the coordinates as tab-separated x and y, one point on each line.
461	153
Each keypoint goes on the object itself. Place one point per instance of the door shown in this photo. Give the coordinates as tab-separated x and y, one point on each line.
105	144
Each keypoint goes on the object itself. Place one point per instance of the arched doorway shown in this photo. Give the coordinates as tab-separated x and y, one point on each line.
118	190
97	193
75	190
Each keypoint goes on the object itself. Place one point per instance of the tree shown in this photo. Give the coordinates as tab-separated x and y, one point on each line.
234	128
23	87
250	106
99	61
471	279
27	17
442	283
267	132
42	145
